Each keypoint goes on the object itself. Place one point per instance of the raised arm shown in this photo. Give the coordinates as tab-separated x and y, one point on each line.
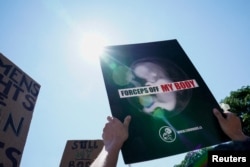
115	133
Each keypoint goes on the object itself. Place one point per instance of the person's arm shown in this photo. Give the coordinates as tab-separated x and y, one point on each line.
231	125
115	133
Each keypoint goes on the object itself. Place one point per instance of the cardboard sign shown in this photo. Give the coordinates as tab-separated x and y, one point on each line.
80	153
170	104
18	95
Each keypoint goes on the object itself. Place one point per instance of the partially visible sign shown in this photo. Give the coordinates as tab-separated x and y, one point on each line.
80	153
18	95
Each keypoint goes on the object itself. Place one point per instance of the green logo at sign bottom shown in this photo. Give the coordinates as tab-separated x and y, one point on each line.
167	134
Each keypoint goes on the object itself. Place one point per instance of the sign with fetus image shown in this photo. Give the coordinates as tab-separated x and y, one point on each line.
170	104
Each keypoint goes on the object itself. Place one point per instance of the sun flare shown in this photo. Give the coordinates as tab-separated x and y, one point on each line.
93	46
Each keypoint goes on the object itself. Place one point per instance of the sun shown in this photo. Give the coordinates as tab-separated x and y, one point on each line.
93	45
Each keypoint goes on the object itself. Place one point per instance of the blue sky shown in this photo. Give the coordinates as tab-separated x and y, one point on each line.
45	39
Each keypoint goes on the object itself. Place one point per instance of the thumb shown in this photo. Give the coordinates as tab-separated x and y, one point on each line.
127	121
218	115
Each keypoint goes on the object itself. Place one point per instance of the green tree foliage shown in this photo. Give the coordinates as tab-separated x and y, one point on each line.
196	158
239	102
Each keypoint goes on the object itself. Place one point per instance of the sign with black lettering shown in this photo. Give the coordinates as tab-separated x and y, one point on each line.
170	104
80	153
18	95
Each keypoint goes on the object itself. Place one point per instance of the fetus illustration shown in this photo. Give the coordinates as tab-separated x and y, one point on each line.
153	74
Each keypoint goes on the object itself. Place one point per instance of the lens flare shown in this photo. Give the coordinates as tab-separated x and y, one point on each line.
93	45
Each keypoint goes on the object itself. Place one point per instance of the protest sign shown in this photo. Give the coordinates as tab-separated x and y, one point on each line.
80	153
18	95
170	104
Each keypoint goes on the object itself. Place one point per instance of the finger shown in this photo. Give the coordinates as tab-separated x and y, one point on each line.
127	121
218	115
109	118
105	127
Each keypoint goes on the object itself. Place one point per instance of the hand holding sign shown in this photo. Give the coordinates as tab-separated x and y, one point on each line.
230	125
115	133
